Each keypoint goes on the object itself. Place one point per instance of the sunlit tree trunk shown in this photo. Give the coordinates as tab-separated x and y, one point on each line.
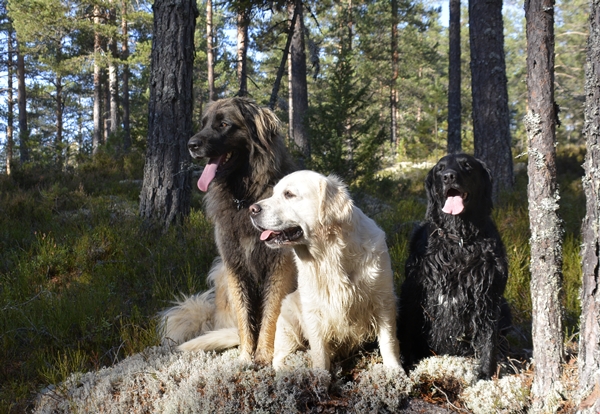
97	110
125	78
58	111
454	81
166	190
209	51
543	195
589	335
243	21
113	81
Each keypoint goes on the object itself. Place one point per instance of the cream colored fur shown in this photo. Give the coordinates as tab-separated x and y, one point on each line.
203	321
345	293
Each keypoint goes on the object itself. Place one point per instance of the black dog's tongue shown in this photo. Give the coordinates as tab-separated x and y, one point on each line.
454	205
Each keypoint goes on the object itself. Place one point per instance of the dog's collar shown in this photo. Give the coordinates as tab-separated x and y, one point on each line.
240	204
450	236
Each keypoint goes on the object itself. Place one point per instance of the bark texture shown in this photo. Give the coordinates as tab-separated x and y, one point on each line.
542	192
489	91
165	195
97	111
209	51
454	104
22	106
589	335
299	87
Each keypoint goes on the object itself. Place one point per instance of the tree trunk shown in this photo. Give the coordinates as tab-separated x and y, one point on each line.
284	59
10	103
58	113
395	74
209	51
125	78
489	90
454	81
589	335
97	111
22	105
243	21
113	81
299	84
166	190
543	195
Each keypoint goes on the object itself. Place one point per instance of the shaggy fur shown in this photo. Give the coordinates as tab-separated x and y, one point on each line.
345	292
457	269
246	157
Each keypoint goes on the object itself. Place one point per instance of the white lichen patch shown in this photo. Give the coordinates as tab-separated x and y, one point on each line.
504	396
445	366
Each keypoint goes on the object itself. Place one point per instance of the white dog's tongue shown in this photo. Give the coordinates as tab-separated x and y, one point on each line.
210	170
454	205
266	234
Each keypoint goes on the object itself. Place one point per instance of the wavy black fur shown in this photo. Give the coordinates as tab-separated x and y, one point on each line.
456	271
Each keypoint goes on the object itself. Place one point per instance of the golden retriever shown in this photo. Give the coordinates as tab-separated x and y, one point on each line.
345	293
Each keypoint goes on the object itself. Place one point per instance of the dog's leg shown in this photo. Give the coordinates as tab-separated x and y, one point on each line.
288	335
388	342
241	303
319	351
485	345
281	284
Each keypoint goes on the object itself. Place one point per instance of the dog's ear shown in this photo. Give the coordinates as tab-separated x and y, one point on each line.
335	202
432	201
262	124
488	182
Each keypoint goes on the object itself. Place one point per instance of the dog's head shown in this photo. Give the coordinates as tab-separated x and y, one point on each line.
305	207
459	184
233	132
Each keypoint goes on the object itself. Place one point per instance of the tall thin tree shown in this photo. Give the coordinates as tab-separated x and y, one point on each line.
22	105
454	81
298	83
542	192
10	102
589	333
166	189
243	21
97	110
395	74
491	128
210	57
125	77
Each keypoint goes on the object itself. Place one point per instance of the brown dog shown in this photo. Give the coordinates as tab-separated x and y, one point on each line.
246	157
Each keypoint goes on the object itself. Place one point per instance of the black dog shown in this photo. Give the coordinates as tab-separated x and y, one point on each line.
457	269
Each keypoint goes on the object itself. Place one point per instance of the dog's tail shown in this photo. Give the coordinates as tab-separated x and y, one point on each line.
218	340
190	317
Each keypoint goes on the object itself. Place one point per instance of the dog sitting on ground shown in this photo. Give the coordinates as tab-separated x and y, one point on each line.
457	269
345	293
246	157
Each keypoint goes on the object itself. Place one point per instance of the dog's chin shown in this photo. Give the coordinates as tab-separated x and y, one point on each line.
282	238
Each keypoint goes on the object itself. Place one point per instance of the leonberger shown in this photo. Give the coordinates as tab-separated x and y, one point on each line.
246	156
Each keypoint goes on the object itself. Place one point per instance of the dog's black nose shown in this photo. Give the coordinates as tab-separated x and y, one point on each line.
255	209
449	177
194	144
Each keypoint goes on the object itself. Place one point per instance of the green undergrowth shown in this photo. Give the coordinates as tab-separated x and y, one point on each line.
82	277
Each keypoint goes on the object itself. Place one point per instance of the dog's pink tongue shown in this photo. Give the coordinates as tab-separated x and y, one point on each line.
266	234
454	205
210	170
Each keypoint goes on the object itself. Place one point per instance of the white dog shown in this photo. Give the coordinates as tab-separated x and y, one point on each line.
345	293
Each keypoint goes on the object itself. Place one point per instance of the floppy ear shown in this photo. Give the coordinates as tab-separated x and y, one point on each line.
488	182
262	124
335	202
432	201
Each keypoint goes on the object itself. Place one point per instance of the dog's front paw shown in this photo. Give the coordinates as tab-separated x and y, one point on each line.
263	357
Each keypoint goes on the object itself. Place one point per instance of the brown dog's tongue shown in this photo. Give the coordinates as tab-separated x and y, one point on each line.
454	205
209	173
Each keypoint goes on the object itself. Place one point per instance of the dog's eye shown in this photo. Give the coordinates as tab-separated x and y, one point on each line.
288	194
467	167
223	124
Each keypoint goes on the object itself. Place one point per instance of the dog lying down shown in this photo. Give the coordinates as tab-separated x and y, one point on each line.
345	293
